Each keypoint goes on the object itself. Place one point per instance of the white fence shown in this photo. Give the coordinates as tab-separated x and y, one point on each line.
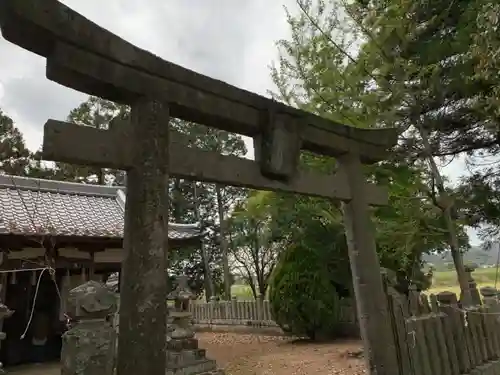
252	313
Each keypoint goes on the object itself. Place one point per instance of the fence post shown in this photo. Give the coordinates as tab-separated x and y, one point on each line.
259	308
89	345
234	308
489	294
211	309
455	333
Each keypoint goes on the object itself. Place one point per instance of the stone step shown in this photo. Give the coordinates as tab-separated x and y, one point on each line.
199	367
215	372
184	358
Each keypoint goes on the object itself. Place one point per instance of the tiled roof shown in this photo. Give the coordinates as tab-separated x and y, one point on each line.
31	206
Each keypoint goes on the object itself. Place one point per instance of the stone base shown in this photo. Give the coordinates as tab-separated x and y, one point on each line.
203	366
178	345
88	348
216	372
185	358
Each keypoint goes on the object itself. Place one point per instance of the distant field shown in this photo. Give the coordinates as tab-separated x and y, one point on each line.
443	281
447	280
242	292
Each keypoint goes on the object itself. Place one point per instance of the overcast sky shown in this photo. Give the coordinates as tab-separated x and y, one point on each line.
231	40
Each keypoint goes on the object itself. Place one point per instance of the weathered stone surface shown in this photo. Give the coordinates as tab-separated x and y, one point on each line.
280	146
199	367
89	345
105	65
89	349
76	144
91	300
143	311
371	302
183	355
5	312
179	345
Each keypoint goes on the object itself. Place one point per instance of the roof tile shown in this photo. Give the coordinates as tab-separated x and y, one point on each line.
43	207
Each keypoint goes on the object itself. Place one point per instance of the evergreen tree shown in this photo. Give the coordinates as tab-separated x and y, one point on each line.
14	155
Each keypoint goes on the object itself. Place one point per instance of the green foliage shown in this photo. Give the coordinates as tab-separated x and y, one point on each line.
437	63
98	113
303	294
188	206
14	156
254	245
366	64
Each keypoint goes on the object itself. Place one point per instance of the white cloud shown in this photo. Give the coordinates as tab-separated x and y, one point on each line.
230	40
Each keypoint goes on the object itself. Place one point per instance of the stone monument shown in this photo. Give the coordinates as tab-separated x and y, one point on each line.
5	312
89	345
183	354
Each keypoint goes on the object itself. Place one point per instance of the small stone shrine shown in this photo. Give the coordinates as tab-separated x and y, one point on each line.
89	345
183	355
5	313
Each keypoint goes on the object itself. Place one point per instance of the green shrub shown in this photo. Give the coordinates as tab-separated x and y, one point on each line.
303	291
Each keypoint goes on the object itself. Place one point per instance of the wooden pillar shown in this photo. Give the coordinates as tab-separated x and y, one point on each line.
374	320
3	295
143	289
92	265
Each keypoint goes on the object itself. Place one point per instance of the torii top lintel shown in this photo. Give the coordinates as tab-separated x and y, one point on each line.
84	56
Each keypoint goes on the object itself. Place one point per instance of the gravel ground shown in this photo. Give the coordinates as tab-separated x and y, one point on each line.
243	354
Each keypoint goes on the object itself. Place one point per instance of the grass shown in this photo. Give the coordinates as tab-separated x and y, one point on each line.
442	281
447	280
242	292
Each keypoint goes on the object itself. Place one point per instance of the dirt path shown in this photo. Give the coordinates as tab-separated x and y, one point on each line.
261	355
266	355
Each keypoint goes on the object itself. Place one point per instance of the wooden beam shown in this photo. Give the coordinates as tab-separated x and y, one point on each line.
17	242
60	263
76	144
88	58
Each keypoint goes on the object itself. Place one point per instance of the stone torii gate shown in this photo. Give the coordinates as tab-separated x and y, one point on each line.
83	56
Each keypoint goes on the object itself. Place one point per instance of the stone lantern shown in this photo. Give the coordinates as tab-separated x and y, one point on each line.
183	354
5	313
474	292
179	316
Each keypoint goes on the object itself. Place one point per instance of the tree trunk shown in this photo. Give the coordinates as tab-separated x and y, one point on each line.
223	244
446	205
209	286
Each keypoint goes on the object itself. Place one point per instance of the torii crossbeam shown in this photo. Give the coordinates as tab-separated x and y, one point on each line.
88	58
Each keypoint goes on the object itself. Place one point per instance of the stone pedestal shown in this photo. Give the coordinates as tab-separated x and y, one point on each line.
5	313
184	357
89	346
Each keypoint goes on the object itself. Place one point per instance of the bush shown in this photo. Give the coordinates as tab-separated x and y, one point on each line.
304	290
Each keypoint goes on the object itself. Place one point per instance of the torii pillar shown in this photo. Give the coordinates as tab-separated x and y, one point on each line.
144	287
371	302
